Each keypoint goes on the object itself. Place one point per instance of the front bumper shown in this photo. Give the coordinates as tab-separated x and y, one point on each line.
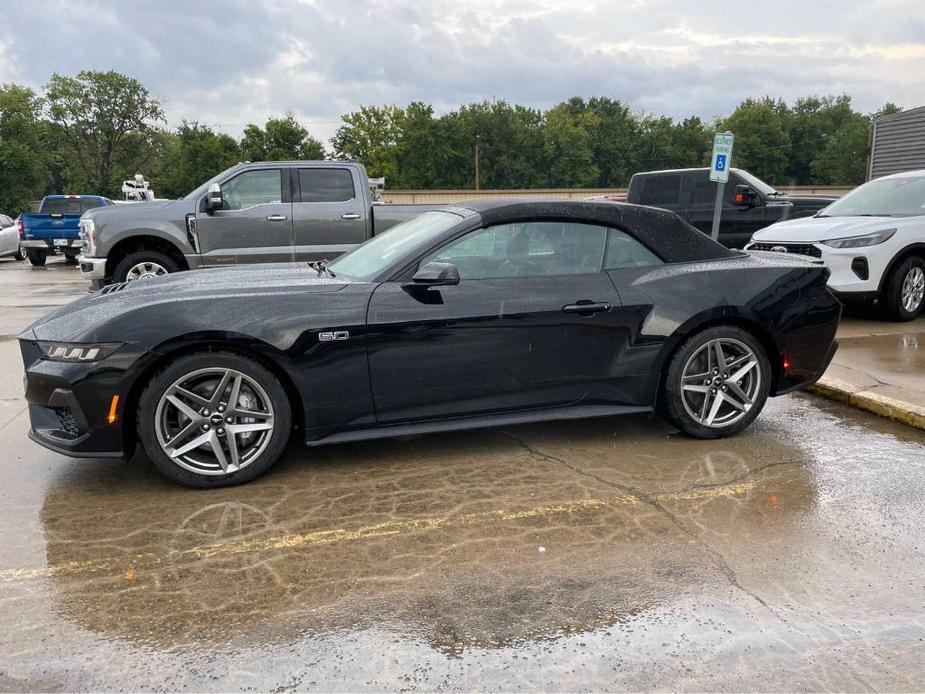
92	268
70	403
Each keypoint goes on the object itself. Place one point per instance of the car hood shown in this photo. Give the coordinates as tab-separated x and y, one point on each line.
96	316
814	229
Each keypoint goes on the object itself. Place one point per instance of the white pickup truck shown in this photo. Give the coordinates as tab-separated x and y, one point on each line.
872	240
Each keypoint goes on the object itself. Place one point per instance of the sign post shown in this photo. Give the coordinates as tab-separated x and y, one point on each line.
719	174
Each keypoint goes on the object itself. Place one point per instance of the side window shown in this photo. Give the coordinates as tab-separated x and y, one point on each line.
326	185
253	188
526	249
703	190
89	204
661	190
623	251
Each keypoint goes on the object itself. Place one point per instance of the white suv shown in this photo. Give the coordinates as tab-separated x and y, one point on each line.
872	240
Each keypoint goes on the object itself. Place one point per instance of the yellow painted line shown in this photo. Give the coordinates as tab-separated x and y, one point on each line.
323	537
870	401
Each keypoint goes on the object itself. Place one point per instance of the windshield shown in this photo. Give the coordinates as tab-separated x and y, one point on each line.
756	183
885	197
201	190
369	260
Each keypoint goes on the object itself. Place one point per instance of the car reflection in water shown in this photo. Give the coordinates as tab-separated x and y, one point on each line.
508	537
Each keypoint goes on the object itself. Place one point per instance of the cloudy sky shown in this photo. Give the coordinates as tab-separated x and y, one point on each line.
231	62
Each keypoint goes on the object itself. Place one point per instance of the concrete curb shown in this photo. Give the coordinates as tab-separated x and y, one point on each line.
870	401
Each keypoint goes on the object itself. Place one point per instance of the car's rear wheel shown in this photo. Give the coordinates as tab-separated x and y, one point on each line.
213	420
143	265
37	256
20	254
904	291
717	383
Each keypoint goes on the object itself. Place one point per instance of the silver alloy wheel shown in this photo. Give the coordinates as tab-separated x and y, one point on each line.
913	289
214	421
720	382
145	271
21	254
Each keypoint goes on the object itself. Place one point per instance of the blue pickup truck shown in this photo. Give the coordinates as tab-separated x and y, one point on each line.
54	228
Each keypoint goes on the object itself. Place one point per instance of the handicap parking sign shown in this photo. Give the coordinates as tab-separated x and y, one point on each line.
720	162
722	153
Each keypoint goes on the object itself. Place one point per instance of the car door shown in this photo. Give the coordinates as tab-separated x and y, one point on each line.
329	216
530	325
254	224
737	223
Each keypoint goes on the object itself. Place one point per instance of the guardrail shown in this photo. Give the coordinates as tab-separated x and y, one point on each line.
447	197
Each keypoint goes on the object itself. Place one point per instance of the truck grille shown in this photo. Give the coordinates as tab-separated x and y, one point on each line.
796	248
67	423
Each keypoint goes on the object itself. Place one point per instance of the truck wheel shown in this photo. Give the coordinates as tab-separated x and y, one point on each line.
903	294
144	265
70	257
37	256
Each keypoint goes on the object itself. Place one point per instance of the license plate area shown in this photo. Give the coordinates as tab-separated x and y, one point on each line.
61	242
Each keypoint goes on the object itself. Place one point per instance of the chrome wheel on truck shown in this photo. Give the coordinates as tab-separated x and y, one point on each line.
144	271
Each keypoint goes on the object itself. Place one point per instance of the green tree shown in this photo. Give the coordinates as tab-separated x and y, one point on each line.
102	120
568	150
281	139
370	136
811	123
194	155
23	168
614	137
762	145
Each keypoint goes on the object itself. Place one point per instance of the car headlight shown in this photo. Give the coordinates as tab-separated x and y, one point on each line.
88	235
77	351
860	241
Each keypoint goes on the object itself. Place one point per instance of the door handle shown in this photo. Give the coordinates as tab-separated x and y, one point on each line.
277	218
586	308
350	215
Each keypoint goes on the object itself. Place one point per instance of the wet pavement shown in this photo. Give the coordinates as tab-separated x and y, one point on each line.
601	554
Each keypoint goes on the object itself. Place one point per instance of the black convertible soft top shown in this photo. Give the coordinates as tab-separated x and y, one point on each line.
664	232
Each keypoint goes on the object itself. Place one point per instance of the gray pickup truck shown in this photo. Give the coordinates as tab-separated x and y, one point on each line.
260	212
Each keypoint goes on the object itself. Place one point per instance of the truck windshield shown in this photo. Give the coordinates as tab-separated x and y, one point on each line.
756	183
884	197
371	258
201	190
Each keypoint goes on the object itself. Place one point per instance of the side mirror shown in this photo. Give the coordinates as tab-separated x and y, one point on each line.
745	196
436	275
214	200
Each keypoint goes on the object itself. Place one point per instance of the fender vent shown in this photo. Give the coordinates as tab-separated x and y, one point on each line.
110	288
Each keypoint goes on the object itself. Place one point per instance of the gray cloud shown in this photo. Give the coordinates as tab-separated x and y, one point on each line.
231	62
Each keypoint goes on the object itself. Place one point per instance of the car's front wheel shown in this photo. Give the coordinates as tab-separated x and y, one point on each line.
717	383
213	420
904	292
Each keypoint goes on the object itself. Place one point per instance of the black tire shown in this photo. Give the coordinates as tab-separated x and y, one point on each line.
120	274
21	254
37	256
156	388
891	299
70	258
671	404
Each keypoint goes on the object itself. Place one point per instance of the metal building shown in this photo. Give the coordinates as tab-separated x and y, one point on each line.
897	143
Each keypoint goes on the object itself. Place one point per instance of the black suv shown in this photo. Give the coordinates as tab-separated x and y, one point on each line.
749	204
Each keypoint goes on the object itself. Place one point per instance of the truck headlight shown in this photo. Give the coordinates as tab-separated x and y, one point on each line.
860	241
76	351
88	236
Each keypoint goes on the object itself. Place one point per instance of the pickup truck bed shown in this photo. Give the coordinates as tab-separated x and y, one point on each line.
55	226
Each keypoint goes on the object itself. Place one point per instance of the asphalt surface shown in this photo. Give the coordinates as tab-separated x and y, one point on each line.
602	554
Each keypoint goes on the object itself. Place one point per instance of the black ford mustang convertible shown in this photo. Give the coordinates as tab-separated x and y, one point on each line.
485	314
